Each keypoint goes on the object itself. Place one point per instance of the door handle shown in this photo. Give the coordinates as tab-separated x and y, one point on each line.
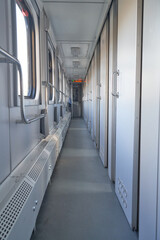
116	72
115	94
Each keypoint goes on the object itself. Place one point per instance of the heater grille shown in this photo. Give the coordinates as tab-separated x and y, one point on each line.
38	166
50	146
11	211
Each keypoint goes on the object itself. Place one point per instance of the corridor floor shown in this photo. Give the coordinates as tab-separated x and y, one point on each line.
80	203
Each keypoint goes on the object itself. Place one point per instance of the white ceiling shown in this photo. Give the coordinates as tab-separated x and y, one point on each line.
76	23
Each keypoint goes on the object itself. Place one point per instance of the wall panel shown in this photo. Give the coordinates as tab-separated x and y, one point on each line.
112	89
127	119
104	94
149	157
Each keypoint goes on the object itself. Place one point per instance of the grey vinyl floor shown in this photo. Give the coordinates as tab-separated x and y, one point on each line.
80	203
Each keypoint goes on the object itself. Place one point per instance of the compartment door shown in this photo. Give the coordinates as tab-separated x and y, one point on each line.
104	94
127	127
112	89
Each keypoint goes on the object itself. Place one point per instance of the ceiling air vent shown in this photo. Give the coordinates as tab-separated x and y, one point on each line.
75	51
10	212
76	64
76	76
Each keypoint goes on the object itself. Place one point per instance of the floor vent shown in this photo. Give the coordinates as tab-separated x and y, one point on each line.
38	166
11	211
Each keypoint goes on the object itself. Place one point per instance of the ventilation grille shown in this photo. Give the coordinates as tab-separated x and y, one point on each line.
75	51
76	76
50	146
10	213
53	131
76	64
122	192
38	166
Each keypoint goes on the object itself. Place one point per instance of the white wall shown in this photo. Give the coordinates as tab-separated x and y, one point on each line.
112	89
149	152
104	94
128	86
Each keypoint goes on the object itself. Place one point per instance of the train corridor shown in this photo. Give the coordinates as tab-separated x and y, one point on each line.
80	202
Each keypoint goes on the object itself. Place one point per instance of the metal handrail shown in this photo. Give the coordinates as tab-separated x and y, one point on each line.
99	98
11	59
61	92
115	94
51	85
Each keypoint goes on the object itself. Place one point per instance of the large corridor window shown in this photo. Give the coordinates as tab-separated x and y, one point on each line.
26	48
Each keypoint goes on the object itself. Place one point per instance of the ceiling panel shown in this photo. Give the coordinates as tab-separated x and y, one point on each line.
71	72
75	1
75	71
66	48
69	62
74	21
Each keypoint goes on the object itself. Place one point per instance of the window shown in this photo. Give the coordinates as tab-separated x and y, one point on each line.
50	74
26	48
64	87
60	81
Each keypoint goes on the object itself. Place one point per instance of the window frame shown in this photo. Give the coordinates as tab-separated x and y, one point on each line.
64	87
34	98
52	51
60	81
50	75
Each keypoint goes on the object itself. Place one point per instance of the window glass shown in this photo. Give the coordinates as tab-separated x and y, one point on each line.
60	78
64	87
53	77
50	74
26	48
60	81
